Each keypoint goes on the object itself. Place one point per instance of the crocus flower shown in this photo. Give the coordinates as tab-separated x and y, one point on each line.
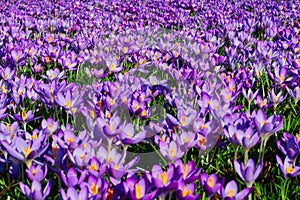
276	98
288	169
210	184
173	150
163	179
26	151
289	145
231	192
49	125
36	192
38	172
248	173
187	191
267	126
73	194
71	178
248	139
261	103
188	172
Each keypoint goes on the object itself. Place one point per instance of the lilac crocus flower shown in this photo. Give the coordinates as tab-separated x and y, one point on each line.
163	179
73	194
38	172
188	172
210	184
248	173
289	145
267	126
261	103
127	135
187	191
71	178
230	192
49	125
248	139
173	150
288	169
276	98
26	151
36	192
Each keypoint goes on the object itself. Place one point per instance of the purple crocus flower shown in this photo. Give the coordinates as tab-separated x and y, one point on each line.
71	178
24	117
26	151
172	150
288	168
276	98
36	192
138	189
248	139
267	126
289	145
187	192
188	172
248	173
261	103
231	192
163	179
127	135
7	73
210	184
37	173
49	125
73	194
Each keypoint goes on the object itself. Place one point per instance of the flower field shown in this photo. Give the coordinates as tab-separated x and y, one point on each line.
142	100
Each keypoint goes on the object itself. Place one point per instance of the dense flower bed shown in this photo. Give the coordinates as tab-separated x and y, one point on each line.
149	99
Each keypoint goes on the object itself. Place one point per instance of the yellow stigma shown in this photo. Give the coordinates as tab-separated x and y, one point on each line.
138	191
68	103
230	193
172	152
16	58
49	126
211	182
34	172
94	188
289	170
182	120
47	58
261	104
27	151
34	136
111	102
24	115
68	64
144	113
71	139
111	127
3	89
185	170
263	123
201	141
164	178
137	107
297	136
186	192
94	167
92	114
50	39
109	159
112	66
